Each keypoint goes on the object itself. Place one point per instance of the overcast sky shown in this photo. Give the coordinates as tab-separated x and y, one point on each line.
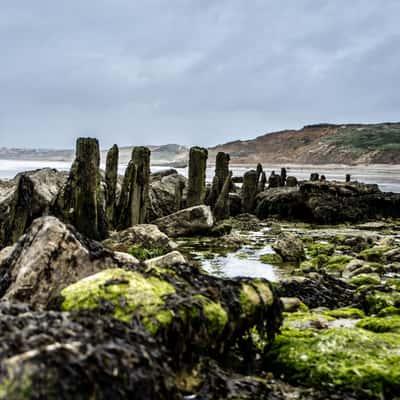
192	71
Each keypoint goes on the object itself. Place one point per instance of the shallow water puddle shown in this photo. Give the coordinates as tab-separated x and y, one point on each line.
244	262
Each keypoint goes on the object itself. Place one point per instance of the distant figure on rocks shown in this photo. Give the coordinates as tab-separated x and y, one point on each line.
322	178
314	177
348	178
274	180
197	176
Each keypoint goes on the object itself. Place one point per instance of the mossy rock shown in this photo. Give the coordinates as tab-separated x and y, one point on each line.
127	293
389	311
354	360
365	279
374	254
377	300
271	258
379	325
394	283
337	263
143	253
317	249
347	312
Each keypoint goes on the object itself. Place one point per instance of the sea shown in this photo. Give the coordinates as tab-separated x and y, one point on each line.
386	176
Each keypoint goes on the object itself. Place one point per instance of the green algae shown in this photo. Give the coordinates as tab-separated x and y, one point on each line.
252	295
216	316
378	324
143	253
388	311
346	312
130	293
338	263
374	254
271	258
342	358
365	279
317	249
376	300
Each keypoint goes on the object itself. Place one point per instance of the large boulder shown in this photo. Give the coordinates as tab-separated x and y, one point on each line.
187	222
145	239
328	202
289	247
28	196
47	258
166	193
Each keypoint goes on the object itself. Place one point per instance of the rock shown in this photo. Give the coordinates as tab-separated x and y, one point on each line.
111	180
392	255
291	181
47	258
237	179
167	260
197	176
166	193
289	247
5	253
144	235
249	191
328	203
187	222
292	304
26	197
353	266
362	364
80	201
221	209
134	200
323	290
48	355
274	180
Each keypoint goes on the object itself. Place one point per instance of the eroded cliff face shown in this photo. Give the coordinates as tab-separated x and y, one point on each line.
320	144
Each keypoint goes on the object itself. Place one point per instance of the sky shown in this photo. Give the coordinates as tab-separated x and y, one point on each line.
192	71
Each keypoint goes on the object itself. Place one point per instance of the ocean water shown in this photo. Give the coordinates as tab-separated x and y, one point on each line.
386	176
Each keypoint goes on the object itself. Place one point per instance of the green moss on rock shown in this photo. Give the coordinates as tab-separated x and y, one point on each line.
129	293
347	312
321	249
377	300
365	279
374	254
377	324
143	253
271	258
347	359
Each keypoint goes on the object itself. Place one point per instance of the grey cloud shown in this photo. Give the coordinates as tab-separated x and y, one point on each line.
192	71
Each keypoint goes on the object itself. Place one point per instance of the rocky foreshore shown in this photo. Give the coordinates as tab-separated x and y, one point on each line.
103	292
